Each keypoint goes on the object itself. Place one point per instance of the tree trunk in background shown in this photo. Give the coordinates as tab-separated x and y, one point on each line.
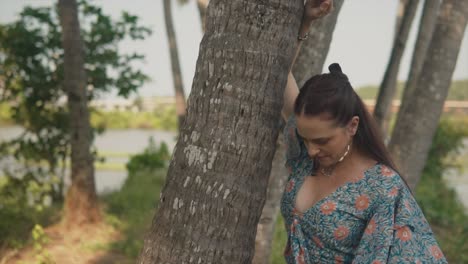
267	223
382	110
426	29
81	205
175	64
420	114
315	49
400	12
309	63
202	6
216	183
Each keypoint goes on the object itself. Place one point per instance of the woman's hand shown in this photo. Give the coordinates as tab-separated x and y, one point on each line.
314	9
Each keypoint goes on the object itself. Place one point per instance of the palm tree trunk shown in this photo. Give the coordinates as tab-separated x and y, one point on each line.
420	113
216	184
175	64
81	201
267	223
388	86
426	29
400	12
315	49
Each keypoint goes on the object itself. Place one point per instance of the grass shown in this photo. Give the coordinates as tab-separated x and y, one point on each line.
458	91
279	242
132	208
109	166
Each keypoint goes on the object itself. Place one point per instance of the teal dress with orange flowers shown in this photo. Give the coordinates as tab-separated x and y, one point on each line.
374	219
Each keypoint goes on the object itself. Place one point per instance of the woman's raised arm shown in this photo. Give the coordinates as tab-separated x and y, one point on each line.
313	9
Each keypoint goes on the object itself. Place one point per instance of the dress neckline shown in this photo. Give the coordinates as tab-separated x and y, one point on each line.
328	196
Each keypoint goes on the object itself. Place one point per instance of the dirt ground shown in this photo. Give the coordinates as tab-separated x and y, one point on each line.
83	245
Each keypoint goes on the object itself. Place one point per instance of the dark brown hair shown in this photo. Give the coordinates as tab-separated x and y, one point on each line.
332	93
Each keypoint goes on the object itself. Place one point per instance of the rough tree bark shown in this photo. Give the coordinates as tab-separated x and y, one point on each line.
217	179
310	62
81	200
420	113
202	6
426	29
315	49
175	64
388	86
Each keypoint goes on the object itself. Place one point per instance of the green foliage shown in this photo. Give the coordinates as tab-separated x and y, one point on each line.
458	91
5	115
131	209
40	239
164	119
18	219
279	242
439	203
31	71
152	158
31	66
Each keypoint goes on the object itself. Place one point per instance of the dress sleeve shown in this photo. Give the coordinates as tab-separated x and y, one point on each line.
397	232
292	142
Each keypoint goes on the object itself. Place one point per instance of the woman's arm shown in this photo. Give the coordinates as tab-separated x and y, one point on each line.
313	9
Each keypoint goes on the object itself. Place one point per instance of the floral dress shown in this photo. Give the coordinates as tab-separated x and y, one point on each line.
374	219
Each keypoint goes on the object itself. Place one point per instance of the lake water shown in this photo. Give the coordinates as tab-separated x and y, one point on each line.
118	142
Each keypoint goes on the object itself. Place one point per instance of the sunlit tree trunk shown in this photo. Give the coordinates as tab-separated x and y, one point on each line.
309	62
315	49
202	6
420	113
81	204
426	29
382	110
216	183
400	12
175	63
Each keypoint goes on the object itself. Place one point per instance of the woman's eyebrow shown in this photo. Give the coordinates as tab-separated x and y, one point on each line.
302	137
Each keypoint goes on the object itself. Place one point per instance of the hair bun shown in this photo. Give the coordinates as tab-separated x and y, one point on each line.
335	68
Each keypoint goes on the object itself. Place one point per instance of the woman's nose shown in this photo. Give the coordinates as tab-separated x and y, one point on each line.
312	150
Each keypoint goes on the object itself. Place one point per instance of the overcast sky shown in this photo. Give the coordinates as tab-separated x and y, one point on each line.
361	42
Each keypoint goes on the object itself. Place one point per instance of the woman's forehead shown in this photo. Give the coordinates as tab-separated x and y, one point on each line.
315	126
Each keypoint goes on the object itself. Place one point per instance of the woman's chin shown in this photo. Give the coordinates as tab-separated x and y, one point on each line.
325	161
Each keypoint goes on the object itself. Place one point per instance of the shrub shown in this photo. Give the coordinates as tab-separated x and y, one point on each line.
439	203
152	158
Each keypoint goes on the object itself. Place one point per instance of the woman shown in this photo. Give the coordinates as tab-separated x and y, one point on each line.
344	201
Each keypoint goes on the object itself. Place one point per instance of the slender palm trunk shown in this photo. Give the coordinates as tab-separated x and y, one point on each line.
400	12
388	86
216	183
426	29
315	49
175	63
421	112
267	223
81	200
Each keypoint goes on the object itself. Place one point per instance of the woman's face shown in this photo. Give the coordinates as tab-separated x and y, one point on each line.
323	138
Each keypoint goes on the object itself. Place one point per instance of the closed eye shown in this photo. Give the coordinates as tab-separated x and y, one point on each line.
321	141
